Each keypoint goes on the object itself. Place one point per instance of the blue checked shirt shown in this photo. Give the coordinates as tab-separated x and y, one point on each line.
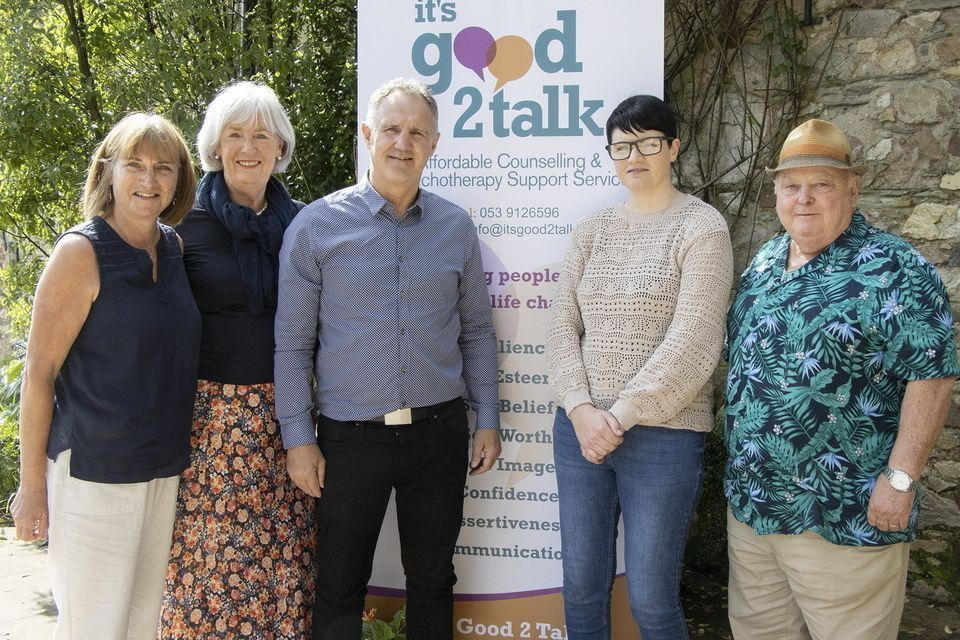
377	313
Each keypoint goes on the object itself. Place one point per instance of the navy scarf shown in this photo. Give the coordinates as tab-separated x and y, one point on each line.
256	238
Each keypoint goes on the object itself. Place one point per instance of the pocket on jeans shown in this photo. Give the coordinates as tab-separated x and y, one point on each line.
85	498
459	423
332	432
566	446
563	426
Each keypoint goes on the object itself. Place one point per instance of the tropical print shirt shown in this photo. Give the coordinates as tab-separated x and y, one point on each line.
819	360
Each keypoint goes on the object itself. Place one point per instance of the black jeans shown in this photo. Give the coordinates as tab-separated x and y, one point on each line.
426	463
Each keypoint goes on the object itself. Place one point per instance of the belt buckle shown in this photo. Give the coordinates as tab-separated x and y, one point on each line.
398	417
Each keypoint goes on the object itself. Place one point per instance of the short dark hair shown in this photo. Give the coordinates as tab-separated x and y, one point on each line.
642	113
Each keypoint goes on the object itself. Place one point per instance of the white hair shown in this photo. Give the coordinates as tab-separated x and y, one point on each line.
239	103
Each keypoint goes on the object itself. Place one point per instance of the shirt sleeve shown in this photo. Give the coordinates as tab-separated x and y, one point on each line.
568	376
915	319
683	363
295	329
478	341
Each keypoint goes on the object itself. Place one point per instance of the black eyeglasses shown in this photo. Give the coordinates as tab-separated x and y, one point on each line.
646	147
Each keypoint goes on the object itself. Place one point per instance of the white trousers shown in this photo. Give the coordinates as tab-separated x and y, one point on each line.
108	554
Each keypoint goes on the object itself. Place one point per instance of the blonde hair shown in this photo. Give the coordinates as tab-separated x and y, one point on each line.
146	132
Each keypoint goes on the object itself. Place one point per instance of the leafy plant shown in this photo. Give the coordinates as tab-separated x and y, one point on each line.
375	629
9	436
71	68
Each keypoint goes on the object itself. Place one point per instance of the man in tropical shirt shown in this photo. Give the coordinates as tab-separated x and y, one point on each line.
842	361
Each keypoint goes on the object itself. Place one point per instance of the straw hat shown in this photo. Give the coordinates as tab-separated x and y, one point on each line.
816	143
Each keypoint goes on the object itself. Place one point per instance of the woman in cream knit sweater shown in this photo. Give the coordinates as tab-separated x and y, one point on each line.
636	332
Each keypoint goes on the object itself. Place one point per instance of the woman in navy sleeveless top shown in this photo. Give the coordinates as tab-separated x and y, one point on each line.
108	387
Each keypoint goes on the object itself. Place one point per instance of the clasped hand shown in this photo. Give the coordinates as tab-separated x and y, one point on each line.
598	431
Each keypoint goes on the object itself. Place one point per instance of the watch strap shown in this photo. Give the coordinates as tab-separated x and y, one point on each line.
897	477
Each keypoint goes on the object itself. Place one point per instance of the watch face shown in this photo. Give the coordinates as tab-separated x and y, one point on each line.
900	481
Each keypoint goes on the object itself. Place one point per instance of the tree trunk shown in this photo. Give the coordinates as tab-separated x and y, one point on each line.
246	19
78	36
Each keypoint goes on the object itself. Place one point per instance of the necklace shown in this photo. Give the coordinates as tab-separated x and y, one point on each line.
147	246
264	208
150	248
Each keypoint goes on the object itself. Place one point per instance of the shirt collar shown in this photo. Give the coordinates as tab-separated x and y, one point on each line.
854	235
378	204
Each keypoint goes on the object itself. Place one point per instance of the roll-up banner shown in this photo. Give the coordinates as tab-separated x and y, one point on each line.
524	88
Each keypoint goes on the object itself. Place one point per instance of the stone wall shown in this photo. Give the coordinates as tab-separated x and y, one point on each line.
893	85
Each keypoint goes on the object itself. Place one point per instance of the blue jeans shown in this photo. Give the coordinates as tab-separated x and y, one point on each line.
654	479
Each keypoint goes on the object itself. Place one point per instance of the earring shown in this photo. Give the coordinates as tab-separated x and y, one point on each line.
279	157
216	156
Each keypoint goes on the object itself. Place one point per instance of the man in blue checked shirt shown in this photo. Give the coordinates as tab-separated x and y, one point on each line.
383	328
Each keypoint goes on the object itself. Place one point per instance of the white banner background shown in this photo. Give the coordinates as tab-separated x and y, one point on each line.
524	90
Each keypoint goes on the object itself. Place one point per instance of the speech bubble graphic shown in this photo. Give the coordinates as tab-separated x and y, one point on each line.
475	49
514	58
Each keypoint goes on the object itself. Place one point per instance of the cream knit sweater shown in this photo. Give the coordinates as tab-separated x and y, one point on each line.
638	317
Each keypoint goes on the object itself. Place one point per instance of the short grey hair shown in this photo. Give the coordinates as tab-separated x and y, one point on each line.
407	87
238	103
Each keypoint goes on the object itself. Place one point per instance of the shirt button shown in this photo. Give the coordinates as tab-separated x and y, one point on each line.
399	258
403	330
403	294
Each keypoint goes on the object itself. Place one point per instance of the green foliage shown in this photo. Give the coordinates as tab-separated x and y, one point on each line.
71	68
17	280
374	629
9	442
782	33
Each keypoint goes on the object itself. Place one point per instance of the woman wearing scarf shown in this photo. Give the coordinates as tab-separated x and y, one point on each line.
241	562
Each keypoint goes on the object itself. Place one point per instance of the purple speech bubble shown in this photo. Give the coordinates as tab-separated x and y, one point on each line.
475	48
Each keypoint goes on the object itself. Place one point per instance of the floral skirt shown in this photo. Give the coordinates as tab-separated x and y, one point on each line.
242	561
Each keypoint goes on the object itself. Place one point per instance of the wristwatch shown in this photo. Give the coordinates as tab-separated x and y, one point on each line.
899	480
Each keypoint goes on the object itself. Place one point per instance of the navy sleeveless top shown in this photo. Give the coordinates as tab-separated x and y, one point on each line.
124	398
